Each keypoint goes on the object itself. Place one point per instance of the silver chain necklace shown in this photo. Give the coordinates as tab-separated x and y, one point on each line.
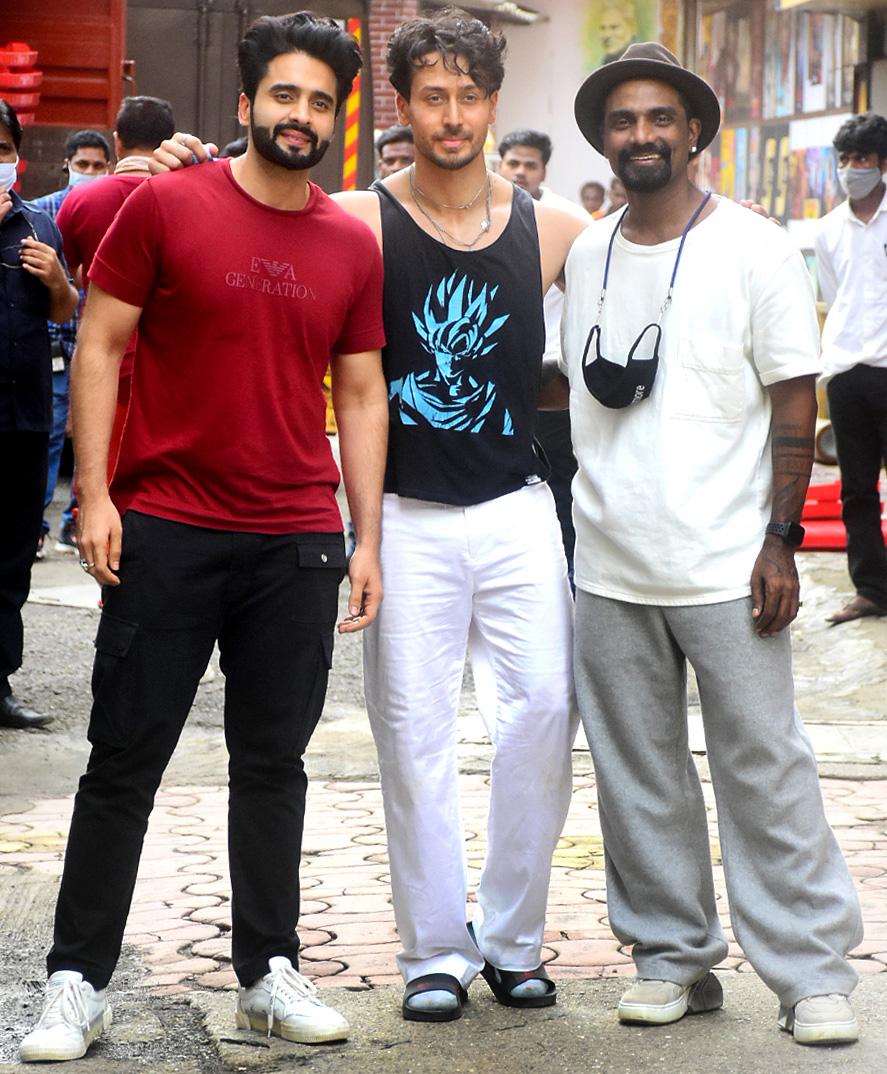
441	230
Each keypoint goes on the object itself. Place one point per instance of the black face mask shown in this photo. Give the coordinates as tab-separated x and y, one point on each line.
619	386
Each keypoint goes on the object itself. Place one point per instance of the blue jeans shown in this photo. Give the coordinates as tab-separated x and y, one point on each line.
57	436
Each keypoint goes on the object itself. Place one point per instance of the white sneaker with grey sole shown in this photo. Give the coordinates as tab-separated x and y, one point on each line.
820	1020
654	1002
74	1014
285	1003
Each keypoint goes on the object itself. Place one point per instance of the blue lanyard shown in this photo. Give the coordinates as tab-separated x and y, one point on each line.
677	260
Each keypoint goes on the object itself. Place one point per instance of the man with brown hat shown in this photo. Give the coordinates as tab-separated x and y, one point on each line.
693	412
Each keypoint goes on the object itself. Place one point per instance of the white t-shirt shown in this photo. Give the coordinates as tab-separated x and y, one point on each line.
553	302
851	258
673	493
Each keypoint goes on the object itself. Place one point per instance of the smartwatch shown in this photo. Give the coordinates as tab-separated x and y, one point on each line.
790	532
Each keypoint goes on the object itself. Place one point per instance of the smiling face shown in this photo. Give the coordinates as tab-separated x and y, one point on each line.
292	117
647	137
450	114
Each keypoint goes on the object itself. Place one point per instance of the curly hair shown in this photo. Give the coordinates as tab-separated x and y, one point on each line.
863	134
303	31
465	45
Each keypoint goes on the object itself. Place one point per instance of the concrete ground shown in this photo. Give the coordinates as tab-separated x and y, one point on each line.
173	993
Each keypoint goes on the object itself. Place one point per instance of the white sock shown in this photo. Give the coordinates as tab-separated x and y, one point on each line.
436	1000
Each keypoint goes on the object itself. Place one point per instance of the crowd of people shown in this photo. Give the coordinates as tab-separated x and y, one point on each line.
453	304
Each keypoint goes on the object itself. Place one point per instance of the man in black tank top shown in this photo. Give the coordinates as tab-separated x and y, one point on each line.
471	550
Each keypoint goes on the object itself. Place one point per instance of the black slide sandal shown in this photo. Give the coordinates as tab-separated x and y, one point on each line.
503	982
433	982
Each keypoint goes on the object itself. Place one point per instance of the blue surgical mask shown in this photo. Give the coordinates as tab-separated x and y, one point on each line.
858	182
8	175
76	178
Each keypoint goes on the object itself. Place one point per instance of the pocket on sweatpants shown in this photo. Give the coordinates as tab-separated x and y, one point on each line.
321	568
112	681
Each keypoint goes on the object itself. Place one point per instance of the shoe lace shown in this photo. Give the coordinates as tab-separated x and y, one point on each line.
288	984
65	1005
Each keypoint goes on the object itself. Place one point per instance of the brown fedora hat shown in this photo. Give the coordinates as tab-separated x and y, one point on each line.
650	61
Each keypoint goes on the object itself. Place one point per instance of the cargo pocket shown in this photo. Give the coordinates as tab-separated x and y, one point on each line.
113	684
321	570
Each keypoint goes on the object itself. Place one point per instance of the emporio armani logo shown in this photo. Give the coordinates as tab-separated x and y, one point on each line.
271	277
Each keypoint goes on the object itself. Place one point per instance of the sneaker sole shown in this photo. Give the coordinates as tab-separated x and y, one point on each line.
297	1036
704	996
826	1033
38	1054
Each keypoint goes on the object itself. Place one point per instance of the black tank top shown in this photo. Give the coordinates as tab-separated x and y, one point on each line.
463	360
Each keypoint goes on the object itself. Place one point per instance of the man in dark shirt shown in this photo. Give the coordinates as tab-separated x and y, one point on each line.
34	287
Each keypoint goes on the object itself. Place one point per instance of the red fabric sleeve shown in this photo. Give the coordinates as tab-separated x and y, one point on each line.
363	330
125	264
66	221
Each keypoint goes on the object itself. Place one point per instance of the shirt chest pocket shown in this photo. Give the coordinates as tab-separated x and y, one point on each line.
710	381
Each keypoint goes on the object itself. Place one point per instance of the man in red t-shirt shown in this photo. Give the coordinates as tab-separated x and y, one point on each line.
245	281
85	216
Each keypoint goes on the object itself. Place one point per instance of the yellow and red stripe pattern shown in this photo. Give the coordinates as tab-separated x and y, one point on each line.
352	119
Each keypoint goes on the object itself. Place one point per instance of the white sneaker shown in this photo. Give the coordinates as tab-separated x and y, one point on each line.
74	1014
285	1003
660	1002
820	1020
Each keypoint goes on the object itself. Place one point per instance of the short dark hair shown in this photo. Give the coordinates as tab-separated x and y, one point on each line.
394	134
143	122
866	133
592	184
87	139
303	31
454	34
9	120
533	139
234	148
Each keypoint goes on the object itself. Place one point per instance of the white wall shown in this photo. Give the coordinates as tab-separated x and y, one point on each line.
544	68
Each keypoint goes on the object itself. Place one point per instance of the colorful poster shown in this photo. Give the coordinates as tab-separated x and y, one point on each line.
741	150
775	170
610	26
727	178
779	64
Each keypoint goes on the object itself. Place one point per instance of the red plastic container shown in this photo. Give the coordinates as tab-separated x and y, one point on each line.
17	54
25	101
25	118
20	80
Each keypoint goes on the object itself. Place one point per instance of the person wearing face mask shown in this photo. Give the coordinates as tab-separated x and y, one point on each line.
851	258
87	158
34	287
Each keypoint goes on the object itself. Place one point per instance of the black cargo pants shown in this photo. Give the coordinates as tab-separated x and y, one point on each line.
271	602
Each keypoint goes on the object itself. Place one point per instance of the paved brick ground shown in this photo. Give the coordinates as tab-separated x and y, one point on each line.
180	920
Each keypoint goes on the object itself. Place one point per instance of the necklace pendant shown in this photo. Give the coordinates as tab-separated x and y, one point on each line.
485	225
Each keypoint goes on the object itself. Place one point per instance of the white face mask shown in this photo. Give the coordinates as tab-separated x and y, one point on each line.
858	182
8	175
76	178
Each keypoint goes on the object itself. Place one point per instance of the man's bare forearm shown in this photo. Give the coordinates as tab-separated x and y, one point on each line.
793	443
362	419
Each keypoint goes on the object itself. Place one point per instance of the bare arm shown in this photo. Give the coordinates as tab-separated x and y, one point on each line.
40	260
555	391
774	582
107	326
360	399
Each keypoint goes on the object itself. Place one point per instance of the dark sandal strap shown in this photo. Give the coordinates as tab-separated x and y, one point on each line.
434	982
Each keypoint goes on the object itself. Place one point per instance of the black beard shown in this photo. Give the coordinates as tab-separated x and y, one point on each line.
649	178
267	146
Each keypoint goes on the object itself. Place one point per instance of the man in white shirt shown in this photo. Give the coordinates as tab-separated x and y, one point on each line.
851	257
693	409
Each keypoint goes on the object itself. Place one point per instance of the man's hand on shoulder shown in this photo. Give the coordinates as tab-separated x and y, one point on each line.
775	588
747	203
179	151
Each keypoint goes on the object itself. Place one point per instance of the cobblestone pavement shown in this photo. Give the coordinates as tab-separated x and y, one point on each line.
180	920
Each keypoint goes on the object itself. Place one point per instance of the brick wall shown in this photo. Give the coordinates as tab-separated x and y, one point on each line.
385	16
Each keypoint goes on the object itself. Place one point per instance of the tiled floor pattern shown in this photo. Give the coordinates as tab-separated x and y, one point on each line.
180	918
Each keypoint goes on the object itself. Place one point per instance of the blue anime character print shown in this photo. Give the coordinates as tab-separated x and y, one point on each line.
456	328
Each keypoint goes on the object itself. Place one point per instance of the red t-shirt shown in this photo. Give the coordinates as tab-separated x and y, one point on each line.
84	217
242	307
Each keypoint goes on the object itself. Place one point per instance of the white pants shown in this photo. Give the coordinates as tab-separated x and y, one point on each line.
490	579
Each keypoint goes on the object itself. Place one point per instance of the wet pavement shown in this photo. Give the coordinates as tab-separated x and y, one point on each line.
175	1009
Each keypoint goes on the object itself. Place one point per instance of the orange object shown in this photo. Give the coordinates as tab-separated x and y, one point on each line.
352	121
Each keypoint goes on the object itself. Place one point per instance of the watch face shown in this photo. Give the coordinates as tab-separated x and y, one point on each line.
790	532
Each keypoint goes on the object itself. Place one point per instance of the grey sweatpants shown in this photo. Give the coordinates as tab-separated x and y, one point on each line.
792	902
